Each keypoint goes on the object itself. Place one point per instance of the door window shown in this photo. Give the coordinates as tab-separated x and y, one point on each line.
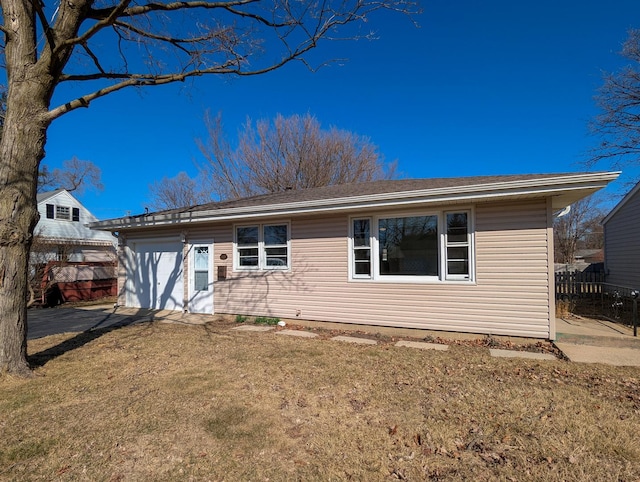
201	268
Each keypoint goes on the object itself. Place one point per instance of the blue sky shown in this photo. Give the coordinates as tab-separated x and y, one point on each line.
481	88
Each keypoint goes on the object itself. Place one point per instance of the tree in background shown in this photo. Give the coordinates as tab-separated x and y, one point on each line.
287	153
618	124
104	47
75	175
580	228
176	192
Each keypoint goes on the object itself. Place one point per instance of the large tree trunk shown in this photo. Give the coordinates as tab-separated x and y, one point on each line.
21	150
30	86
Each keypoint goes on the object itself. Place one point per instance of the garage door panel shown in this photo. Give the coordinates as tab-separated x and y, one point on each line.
156	276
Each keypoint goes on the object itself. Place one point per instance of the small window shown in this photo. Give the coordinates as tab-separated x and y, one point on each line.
247	246
201	268
457	246
262	247
50	211
75	214
63	212
275	246
361	248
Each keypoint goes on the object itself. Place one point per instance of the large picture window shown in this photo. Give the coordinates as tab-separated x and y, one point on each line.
418	247
408	246
263	246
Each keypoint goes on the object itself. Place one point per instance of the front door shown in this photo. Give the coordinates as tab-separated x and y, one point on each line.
201	278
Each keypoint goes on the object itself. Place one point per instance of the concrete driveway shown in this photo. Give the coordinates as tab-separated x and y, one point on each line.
64	319
51	321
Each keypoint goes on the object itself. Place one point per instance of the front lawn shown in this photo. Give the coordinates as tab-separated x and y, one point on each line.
171	402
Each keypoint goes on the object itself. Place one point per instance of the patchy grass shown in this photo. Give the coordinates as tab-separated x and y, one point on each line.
266	320
168	402
241	318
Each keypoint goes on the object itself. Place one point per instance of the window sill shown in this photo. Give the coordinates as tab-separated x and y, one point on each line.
415	281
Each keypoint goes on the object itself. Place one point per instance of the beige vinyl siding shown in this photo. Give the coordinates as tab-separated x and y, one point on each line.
510	294
622	245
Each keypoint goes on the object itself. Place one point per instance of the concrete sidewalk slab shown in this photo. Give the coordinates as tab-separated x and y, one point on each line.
354	339
520	354
579	326
252	328
618	356
585	340
421	345
300	333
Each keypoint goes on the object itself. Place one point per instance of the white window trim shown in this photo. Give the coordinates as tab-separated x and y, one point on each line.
443	277
262	254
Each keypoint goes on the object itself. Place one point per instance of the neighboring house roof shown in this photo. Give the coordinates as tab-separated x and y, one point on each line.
622	202
43	196
590	255
563	188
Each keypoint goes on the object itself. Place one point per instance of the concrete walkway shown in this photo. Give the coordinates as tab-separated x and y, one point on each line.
597	341
579	339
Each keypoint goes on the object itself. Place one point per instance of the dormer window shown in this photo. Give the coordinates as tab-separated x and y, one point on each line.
63	213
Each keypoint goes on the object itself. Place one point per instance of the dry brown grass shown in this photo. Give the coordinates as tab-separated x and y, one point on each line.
168	402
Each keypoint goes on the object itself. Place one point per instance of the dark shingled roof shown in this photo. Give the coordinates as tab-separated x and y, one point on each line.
356	189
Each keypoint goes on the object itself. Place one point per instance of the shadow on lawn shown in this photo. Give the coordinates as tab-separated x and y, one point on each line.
79	340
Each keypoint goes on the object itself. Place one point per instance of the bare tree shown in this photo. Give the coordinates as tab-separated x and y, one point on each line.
287	153
580	228
75	175
104	47
618	124
176	192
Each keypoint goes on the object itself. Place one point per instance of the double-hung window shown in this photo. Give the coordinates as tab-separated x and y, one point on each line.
415	247
63	212
458	246
262	247
362	248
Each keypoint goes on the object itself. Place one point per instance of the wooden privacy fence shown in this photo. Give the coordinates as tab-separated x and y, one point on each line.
578	284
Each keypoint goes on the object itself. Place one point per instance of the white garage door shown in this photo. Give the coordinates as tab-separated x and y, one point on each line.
155	275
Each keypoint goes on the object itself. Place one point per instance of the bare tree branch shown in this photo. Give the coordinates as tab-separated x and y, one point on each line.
580	228
75	175
287	153
114	13
618	124
177	192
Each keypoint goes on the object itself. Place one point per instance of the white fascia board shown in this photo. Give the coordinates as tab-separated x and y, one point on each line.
553	185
